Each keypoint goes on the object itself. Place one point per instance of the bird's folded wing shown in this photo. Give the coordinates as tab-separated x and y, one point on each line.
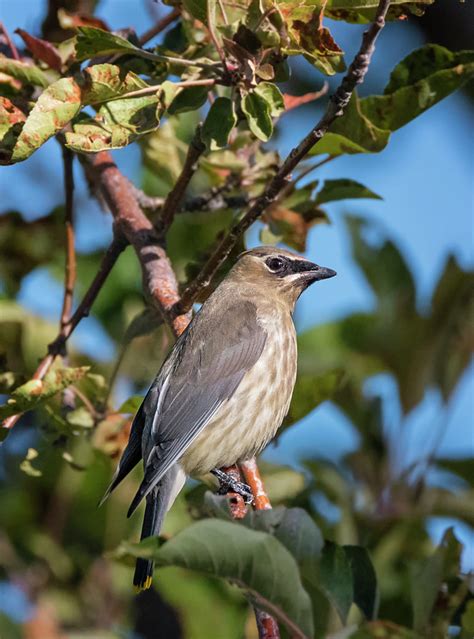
207	365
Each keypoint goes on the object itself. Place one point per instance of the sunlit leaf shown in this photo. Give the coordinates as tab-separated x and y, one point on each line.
55	107
92	42
27	73
258	113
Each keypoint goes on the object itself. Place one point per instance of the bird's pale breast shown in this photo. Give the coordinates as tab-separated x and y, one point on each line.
250	418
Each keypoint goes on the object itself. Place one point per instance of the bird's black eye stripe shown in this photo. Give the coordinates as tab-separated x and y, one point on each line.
276	264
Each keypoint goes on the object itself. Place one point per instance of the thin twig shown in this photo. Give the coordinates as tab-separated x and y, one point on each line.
176	195
57	345
335	109
215	41
205	82
9	41
160	26
70	266
222	9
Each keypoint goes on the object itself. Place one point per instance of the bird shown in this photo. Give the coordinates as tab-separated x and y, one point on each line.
223	390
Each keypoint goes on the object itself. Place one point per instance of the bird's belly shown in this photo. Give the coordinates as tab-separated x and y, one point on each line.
245	424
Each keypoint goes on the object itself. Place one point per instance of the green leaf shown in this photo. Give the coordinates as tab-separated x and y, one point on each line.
255	561
424	78
118	123
102	82
27	73
55	107
36	391
352	133
197	8
80	417
364	580
336	578
344	189
272	94
467	621
27	467
11	121
463	468
131	405
363	11
188	99
420	81
257	111
310	391
218	124
92	42
380	630
428	578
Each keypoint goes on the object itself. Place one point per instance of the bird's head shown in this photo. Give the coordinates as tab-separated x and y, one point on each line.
278	272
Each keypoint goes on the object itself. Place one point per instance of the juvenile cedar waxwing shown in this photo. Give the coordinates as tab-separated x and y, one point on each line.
223	390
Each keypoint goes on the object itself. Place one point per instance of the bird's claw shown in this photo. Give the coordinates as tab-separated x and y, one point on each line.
227	484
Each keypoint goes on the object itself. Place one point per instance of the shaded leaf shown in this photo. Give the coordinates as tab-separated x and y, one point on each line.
27	73
352	133
188	99
463	468
364	580
310	391
218	124
335	576
254	560
422	79
55	107
294	101
257	111
427	580
344	189
380	630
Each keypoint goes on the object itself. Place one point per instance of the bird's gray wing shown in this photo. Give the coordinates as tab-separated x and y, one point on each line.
204	370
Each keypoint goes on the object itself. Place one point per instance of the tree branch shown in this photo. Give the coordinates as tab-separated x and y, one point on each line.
176	195
9	41
335	109
159	279
160	26
57	346
70	266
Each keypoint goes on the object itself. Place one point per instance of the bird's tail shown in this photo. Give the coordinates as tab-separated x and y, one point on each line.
144	567
158	502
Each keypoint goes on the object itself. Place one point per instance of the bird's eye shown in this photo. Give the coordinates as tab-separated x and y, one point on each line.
275	264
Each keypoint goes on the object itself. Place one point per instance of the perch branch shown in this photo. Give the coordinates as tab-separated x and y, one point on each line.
335	109
57	346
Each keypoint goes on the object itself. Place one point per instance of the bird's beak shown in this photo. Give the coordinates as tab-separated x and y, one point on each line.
311	272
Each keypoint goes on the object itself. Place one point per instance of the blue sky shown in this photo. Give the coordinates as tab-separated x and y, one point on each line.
425	177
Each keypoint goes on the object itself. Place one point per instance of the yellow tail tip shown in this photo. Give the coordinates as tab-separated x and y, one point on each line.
147	584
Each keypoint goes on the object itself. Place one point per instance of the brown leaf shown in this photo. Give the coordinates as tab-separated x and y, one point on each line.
312	36
42	50
294	101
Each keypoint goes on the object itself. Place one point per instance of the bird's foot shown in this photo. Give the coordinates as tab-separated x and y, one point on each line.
228	484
